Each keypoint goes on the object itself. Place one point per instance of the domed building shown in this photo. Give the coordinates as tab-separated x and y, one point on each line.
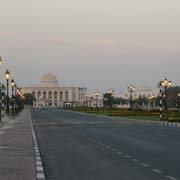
49	80
50	93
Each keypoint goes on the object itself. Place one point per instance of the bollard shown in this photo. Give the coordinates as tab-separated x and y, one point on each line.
3	104
160	104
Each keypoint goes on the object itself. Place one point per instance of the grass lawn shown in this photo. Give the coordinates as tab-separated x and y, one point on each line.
151	118
141	115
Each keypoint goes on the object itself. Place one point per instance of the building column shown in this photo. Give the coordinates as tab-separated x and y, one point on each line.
52	98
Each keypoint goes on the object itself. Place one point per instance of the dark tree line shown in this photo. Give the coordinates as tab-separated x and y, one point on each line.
173	98
142	101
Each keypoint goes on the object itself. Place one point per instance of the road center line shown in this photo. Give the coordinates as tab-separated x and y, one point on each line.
120	153
135	160
171	178
145	165
127	156
157	171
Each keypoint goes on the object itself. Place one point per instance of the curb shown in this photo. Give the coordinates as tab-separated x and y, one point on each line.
39	166
171	124
136	120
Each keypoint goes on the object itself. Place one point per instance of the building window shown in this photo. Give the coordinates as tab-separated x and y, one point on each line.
44	95
50	95
34	94
61	95
39	95
66	96
55	95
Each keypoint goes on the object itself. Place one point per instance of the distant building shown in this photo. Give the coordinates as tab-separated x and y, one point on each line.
139	92
50	93
93	102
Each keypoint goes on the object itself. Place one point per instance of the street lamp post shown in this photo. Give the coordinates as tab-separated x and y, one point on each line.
178	100
15	94
97	94
131	89
13	85
7	75
0	93
165	84
3	100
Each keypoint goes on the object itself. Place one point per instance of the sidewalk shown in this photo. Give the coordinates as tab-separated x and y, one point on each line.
16	149
4	121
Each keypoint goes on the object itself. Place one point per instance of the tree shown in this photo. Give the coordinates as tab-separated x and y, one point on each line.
108	99
29	98
172	97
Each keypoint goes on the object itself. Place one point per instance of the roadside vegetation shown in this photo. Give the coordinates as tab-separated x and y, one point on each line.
173	116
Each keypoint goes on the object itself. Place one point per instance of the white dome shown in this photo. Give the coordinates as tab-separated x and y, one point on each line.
49	80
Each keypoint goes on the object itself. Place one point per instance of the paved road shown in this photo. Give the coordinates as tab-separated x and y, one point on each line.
77	146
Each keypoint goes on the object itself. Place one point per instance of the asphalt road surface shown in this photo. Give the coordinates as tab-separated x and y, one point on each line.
77	146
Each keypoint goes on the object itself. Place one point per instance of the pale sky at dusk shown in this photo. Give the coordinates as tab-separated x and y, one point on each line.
94	43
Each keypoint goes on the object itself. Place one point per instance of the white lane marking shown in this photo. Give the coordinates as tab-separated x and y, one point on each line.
112	149
38	163
127	156
98	143
108	147
171	178
157	171
103	145
4	147
39	168
38	158
135	160
145	165
120	153
40	176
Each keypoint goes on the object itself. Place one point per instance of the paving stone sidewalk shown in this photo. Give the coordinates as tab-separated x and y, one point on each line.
16	149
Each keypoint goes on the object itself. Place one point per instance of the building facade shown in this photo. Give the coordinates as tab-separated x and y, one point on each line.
93	102
139	92
50	93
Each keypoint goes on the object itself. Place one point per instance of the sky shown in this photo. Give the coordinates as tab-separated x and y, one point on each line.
99	44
